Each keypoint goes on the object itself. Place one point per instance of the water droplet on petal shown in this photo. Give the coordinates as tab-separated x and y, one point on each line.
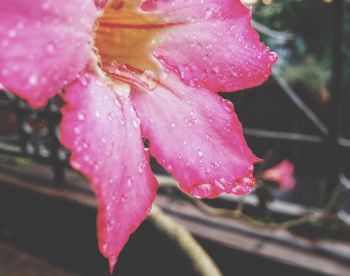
75	165
12	33
130	181
136	122
200	153
76	130
81	116
117	103
202	191
219	185
140	169
124	197
228	106
273	56
33	80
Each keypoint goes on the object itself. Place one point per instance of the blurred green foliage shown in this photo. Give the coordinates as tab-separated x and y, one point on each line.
306	60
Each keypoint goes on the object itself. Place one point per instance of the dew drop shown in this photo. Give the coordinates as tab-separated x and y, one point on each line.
130	181
83	80
193	82
124	197
219	185
136	122
33	79
110	225
86	158
76	130
12	33
202	191
140	169
208	13
200	153
116	102
228	105
273	56
81	116
75	165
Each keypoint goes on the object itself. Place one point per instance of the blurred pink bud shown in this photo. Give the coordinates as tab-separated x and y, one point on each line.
281	174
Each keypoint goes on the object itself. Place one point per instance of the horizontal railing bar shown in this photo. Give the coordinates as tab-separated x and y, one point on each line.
10	148
344	142
279	135
277	35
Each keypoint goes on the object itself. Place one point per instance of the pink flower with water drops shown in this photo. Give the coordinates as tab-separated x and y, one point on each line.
132	70
282	174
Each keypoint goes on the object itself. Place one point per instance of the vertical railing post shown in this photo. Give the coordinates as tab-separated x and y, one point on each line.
57	164
335	103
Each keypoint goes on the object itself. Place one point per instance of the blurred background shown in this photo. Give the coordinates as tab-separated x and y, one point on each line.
297	221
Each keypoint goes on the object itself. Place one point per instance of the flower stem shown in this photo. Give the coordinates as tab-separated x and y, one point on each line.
237	213
200	260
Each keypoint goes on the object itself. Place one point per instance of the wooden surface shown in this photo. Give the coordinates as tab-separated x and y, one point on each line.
14	262
278	247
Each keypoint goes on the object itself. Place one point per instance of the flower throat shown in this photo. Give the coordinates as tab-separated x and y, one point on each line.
125	37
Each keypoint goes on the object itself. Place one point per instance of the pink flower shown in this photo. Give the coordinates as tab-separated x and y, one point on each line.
281	174
134	69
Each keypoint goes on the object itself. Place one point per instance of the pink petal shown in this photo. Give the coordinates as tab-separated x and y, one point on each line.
43	45
214	46
282	174
196	136
101	129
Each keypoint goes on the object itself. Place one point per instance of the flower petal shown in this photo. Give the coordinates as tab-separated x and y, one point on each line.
214	46
102	131
196	136
282	174
43	45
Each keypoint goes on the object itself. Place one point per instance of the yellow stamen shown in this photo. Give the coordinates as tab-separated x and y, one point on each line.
127	35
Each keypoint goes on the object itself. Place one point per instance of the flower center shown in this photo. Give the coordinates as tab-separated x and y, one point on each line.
125	37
